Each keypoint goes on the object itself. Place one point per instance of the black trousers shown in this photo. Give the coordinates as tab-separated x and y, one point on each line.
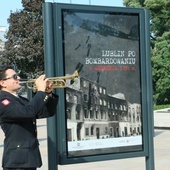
19	168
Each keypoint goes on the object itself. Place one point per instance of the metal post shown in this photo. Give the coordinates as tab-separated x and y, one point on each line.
150	158
50	70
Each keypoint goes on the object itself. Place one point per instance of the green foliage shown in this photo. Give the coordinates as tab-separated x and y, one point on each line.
159	107
160	46
160	12
133	3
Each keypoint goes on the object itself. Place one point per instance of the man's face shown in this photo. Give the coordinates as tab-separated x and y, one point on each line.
11	82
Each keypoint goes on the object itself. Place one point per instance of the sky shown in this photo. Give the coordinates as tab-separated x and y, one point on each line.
13	5
5	7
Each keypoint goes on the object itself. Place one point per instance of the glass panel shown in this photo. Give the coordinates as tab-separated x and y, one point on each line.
108	89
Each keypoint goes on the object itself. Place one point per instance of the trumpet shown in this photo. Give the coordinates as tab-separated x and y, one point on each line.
58	82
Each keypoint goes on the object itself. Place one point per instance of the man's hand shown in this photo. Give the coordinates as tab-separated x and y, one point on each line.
49	87
41	83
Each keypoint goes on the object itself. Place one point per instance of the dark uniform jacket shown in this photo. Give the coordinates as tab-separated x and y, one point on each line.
18	121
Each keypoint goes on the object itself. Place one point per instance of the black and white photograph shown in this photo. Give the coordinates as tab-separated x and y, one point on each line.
103	105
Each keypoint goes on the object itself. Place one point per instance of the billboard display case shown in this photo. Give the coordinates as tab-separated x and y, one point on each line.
104	111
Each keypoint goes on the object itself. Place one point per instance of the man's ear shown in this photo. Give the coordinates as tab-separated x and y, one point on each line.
2	83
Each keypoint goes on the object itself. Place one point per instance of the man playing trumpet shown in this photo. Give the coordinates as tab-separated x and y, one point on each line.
18	120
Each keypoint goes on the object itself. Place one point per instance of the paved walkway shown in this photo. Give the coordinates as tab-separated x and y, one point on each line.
161	149
162	119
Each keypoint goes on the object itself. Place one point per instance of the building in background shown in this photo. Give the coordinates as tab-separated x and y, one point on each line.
2	39
118	3
2	33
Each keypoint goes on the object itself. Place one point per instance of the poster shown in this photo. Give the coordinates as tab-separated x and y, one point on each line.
103	106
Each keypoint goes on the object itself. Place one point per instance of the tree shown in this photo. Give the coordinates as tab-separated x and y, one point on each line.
24	45
160	45
161	69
